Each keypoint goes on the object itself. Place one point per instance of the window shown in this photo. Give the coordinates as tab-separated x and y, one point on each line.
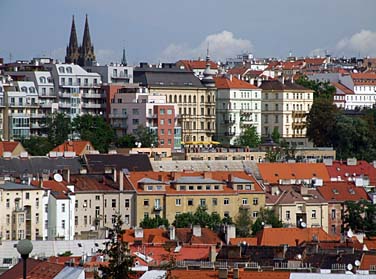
76	204
288	215
36	218
84	204
255	214
97	197
334	230
226	201
178	202
216	187
162	121
46	224
126	219
37	202
255	201
7	203
214	202
150	188
8	219
190	202
63	224
182	188
27	196
169	111
202	202
85	220
46	208
244	201
63	207
21	218
333	214
191	187
76	220
314	214
113	203
127	203
146	202
21	234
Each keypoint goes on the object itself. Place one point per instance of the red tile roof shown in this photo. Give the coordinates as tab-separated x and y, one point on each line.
234	83
166	178
342	191
213	274
344	171
8	146
196	64
155	236
238	70
291	236
77	146
36	269
273	172
95	183
368	78
367	261
251	241
370	243
342	88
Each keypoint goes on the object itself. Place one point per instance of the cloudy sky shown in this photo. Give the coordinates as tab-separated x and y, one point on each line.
168	30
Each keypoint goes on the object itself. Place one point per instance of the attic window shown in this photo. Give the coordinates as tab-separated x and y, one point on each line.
338	169
314	174
351	191
293	174
150	188
276	174
335	191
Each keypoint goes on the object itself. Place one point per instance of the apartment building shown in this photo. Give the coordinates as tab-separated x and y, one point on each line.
133	107
21	211
298	206
195	99
113	73
238	107
79	92
98	200
170	193
285	106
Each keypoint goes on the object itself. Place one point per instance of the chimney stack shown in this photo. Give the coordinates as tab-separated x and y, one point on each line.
121	180
197	230
230	233
223	273
172	232
115	175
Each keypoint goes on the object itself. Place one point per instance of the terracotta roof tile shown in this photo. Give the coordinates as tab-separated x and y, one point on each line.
36	269
251	241
367	261
342	191
196	64
342	88
344	171
77	146
234	83
291	236
370	243
273	172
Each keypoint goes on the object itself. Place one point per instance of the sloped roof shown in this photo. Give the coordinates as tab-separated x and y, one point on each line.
276	85
208	237
251	241
196	64
370	243
98	163
273	172
232	83
344	171
292	194
213	274
291	236
342	191
342	88
77	146
8	146
36	269
367	261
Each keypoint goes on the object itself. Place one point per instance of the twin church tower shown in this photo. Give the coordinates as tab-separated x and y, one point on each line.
82	55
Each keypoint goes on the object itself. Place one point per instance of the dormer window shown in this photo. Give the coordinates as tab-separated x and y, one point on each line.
32	89
42	80
24	89
150	188
248	187
69	70
216	187
199	187
61	70
191	187
239	187
208	187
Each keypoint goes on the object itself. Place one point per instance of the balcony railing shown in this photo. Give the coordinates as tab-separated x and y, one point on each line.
229	121
92	106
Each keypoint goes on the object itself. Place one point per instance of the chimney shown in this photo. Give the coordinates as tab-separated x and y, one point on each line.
230	233
236	273
222	273
197	230
115	175
283	80
138	233
229	178
303	190
121	180
212	254
172	232
160	177
230	77
207	175
68	175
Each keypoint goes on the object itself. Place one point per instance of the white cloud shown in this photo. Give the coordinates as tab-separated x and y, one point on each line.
221	45
363	42
318	52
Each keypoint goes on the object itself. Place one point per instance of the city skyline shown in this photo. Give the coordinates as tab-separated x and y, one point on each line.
184	30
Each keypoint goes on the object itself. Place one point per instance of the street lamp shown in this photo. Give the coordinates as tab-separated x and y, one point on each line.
24	247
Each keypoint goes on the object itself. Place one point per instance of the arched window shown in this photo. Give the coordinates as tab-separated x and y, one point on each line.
32	89
42	80
185	98
24	89
175	99
194	99
61	69
69	70
170	99
180	99
189	99
202	99
208	98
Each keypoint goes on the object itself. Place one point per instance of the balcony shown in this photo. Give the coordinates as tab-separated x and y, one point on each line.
65	105
36	126
68	95
119	125
298	114
38	115
122	76
298	125
93	95
45	105
229	134
157	208
245	112
229	121
92	106
152	116
118	116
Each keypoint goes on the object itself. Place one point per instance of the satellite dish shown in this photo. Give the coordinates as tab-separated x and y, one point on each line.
58	177
303	224
349	267
299	256
357	263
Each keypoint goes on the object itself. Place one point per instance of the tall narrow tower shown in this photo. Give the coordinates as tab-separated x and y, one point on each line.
87	55
73	53
124	59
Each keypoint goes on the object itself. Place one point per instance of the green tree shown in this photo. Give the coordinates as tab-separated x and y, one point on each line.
58	128
146	136
120	260
257	226
276	135
184	220
200	217
321	122
37	146
243	223
126	141
94	129
249	137
266	217
320	89
150	223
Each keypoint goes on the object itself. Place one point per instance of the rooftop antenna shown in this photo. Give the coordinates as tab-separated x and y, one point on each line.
10	57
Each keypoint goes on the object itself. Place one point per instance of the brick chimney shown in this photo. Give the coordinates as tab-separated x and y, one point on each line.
197	230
